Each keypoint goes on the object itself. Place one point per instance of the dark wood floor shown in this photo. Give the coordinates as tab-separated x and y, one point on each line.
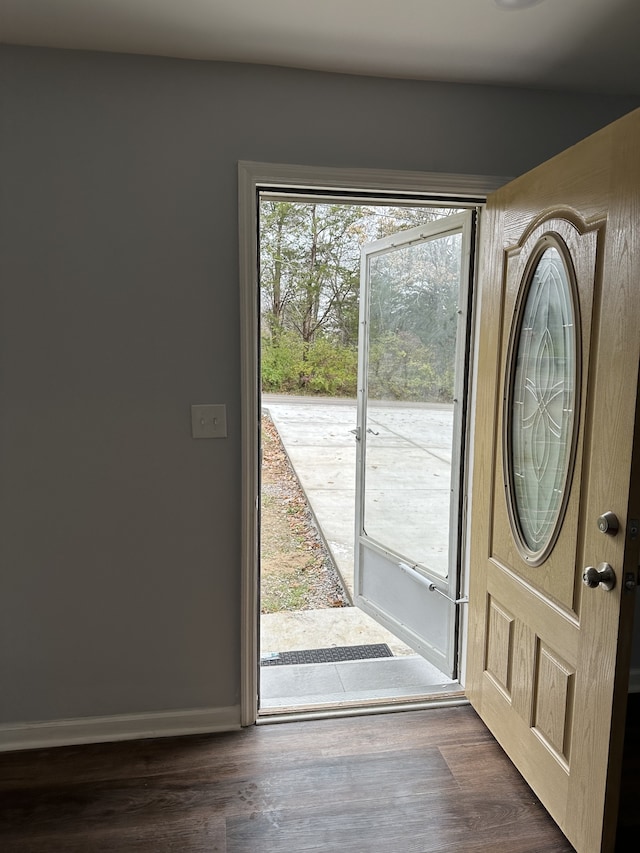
398	783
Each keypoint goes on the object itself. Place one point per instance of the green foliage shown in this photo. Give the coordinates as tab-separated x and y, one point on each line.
331	369
322	367
401	368
281	362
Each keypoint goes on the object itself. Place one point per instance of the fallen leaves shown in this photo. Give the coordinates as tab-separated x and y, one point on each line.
297	572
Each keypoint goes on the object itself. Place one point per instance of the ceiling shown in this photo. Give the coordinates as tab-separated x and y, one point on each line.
580	45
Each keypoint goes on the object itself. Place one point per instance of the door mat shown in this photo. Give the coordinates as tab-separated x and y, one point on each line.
335	654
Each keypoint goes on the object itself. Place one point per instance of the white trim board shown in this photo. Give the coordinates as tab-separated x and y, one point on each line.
251	178
118	727
387	181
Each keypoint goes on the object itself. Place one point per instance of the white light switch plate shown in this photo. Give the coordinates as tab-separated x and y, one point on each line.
209	420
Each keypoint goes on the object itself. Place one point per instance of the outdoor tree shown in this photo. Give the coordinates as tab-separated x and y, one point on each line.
309	285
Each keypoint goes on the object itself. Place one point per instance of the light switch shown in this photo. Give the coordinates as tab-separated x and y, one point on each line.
209	420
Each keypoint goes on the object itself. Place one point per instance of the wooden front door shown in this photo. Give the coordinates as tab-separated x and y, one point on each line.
555	448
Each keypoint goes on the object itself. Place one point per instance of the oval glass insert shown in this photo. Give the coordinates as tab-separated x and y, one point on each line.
542	407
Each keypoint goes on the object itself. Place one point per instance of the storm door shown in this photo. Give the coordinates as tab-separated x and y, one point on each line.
412	388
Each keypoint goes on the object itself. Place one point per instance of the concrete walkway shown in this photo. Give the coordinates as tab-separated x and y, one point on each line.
407	500
318	629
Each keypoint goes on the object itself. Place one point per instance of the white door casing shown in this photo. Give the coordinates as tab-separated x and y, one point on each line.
252	177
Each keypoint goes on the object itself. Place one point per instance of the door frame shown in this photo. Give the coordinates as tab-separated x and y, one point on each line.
253	177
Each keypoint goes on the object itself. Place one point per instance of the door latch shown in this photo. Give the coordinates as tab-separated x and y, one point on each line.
603	577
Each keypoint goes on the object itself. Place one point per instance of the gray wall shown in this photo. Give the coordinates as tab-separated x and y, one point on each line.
119	534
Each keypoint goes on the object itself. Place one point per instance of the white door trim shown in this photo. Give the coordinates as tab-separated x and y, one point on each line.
252	177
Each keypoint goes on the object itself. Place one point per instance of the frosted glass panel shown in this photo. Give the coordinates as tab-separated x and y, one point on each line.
543	402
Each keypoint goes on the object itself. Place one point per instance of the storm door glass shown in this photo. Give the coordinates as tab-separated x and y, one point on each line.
413	338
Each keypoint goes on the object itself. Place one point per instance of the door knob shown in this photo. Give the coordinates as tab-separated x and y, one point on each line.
603	576
608	523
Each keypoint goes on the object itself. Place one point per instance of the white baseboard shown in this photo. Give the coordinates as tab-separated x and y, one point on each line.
118	727
634	681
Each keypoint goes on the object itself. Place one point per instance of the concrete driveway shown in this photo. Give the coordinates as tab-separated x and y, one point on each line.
408	473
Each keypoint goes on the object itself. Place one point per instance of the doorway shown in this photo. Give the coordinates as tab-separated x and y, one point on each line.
314	190
361	300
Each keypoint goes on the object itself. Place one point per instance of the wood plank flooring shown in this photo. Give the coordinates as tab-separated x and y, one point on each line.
407	782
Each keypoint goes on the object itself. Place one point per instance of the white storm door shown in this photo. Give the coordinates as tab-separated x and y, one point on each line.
412	378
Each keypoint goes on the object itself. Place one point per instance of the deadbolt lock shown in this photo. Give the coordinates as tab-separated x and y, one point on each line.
608	523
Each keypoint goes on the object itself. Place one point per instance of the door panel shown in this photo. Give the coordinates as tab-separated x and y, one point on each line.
411	390
548	657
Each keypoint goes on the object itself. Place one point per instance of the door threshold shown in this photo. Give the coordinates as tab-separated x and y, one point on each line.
351	684
444	699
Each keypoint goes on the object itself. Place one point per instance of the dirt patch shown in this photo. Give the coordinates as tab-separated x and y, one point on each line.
296	570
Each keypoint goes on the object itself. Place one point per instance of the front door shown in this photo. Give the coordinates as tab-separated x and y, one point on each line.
413	338
555	505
